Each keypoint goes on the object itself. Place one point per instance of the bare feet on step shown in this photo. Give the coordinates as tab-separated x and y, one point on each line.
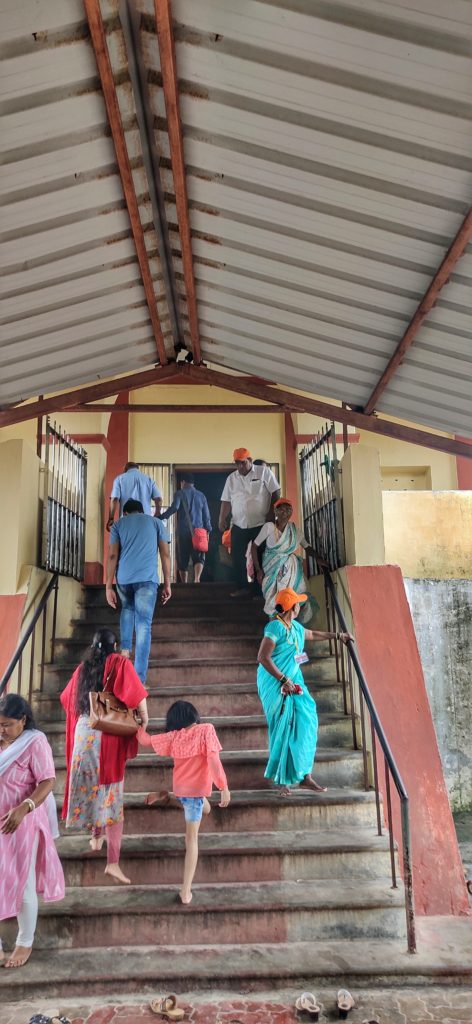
115	872
185	897
19	957
310	783
96	843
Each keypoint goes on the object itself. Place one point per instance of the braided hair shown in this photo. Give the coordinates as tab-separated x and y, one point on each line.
92	668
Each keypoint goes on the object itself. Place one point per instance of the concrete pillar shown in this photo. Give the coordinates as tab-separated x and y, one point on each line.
20	533
362	506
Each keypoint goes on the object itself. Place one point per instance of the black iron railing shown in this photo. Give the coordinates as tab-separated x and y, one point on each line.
321	499
347	664
27	645
63	542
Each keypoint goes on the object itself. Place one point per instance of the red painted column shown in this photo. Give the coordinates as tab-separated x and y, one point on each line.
11	616
291	469
117	457
464	467
388	651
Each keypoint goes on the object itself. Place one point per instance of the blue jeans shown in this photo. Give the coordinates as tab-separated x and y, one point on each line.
138	601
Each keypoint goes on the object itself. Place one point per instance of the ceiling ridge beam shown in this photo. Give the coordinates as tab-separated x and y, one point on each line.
329	411
165	35
430	297
99	43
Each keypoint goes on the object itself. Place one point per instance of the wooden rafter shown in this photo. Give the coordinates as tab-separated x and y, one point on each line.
99	43
429	300
165	36
44	406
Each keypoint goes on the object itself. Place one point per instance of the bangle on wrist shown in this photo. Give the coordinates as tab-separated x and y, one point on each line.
31	804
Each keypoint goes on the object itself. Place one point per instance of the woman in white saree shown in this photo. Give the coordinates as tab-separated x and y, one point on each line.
278	566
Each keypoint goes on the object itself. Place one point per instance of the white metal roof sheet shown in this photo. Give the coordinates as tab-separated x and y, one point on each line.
328	152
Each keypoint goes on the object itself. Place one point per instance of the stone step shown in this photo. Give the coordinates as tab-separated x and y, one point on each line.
209	698
444	958
203	628
244	769
233	647
183	672
238	732
220	912
221	608
240	856
259	810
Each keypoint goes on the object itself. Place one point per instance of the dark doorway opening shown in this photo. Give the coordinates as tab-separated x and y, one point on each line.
211	481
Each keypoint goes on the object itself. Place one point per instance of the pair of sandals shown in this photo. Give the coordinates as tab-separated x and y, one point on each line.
40	1018
166	1006
307	1003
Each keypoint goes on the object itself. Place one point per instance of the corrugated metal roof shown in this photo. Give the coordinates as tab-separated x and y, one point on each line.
329	166
329	159
73	306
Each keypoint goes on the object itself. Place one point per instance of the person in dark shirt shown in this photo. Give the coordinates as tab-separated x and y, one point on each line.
193	513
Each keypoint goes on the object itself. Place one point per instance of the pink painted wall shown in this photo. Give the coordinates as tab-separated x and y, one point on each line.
389	655
11	615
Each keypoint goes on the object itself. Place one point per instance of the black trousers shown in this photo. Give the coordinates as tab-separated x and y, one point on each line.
239	542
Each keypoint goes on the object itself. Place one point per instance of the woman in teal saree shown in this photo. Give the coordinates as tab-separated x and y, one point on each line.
288	706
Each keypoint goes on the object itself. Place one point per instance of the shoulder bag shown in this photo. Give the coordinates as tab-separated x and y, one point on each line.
108	714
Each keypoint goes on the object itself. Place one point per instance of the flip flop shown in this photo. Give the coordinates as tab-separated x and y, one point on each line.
345	1003
306	1003
166	1006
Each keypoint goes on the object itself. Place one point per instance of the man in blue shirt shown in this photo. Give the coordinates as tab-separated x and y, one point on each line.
135	542
193	513
133	484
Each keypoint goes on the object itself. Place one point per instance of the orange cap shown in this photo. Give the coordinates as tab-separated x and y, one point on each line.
241	454
283	501
288	597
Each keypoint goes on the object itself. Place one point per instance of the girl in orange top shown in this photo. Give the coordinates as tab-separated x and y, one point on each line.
195	750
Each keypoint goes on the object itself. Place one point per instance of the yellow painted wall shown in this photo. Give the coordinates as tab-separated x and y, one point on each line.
196	438
362	506
19	487
428	534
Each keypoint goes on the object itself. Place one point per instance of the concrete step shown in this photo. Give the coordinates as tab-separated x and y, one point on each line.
259	810
209	698
242	856
205	627
244	769
244	732
221	608
214	648
220	913
184	672
444	957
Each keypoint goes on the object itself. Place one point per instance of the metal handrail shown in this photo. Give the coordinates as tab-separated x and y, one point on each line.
30	633
390	765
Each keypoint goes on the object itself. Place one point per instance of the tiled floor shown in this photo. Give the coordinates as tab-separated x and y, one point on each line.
395	1006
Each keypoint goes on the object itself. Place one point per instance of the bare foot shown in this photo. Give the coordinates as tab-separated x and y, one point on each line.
96	843
19	957
206	806
186	898
309	783
115	872
162	798
285	791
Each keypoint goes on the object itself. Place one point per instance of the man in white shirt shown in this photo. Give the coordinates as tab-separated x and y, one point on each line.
248	499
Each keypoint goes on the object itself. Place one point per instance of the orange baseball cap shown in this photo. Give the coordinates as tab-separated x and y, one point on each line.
288	597
283	501
241	454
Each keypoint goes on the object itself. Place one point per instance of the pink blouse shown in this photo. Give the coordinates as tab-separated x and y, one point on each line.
195	752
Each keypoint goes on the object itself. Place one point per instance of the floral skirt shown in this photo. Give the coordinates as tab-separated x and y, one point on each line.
91	806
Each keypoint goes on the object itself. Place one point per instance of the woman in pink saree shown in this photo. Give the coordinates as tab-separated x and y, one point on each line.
29	863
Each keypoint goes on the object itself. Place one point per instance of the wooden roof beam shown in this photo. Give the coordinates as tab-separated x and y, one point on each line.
165	34
99	43
429	300
302	403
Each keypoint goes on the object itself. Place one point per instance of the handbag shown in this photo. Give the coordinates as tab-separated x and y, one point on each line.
109	715
199	535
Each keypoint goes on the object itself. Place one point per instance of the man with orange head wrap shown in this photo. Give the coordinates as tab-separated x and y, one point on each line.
248	500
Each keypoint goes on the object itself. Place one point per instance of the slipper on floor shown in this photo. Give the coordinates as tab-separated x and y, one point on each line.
166	1006
306	1003
39	1018
345	1003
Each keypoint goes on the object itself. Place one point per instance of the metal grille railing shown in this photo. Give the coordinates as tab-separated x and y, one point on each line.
20	676
321	500
63	539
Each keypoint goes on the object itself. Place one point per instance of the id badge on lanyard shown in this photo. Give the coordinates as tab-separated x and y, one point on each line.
301	659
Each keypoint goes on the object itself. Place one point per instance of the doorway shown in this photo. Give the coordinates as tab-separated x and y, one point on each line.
210	480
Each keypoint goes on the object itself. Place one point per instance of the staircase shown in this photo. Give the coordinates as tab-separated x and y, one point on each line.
287	890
